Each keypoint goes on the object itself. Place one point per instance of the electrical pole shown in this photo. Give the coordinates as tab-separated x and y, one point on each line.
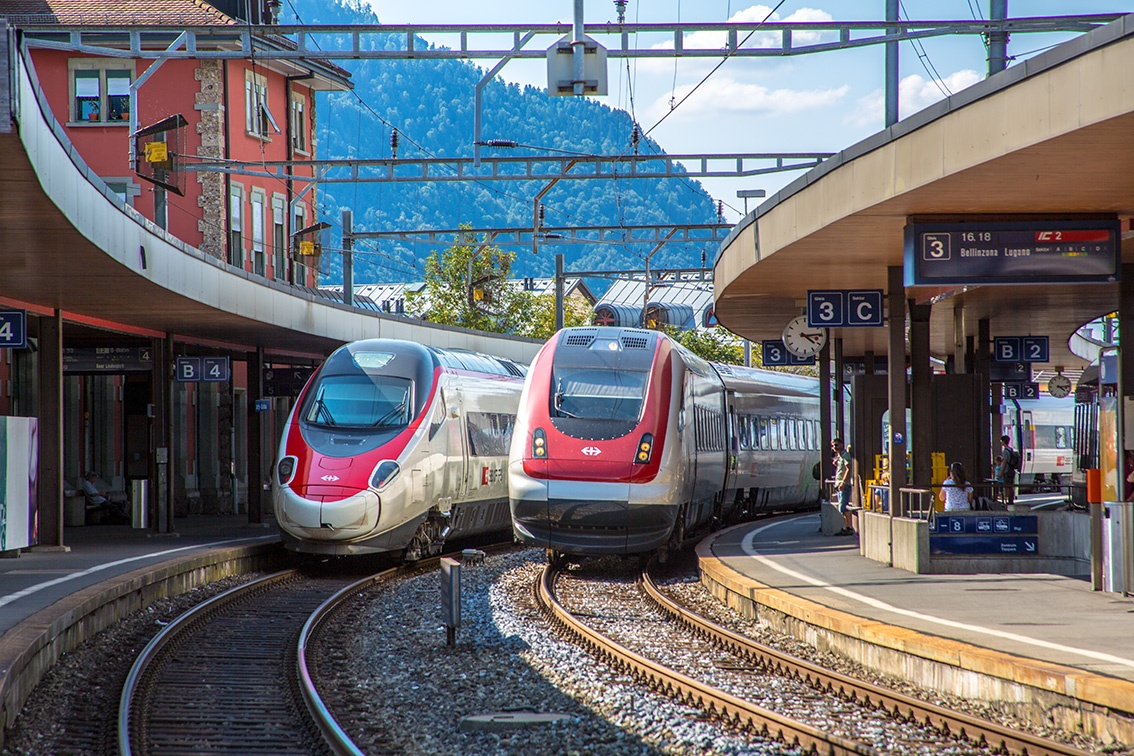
559	292
997	41
348	259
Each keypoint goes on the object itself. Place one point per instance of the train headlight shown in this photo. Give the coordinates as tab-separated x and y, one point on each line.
539	444
384	473
285	470
645	449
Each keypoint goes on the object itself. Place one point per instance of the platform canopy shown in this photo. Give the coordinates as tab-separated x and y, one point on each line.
1050	136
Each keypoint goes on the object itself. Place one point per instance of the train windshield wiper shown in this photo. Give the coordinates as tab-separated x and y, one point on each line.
394	411
559	401
323	412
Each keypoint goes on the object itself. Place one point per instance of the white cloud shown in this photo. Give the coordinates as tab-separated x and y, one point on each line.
915	93
711	40
727	96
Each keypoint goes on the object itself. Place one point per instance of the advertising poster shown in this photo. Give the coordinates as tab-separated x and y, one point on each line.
1108	447
19	469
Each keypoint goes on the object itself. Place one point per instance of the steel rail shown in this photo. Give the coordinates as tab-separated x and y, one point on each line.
168	634
712	700
963	725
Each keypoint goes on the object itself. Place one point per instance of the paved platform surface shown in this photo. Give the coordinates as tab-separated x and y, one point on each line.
39	578
1048	618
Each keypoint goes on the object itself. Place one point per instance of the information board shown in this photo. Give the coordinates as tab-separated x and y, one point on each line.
107	359
202	369
975	533
285	381
1050	251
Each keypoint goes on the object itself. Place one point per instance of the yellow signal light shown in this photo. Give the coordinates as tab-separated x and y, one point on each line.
643	456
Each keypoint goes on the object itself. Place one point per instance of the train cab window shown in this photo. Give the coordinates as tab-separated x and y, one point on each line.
439	413
361	401
597	394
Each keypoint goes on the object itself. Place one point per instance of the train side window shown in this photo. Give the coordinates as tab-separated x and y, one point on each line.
439	412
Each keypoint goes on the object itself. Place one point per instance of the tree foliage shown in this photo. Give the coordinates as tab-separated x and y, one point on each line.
714	344
467	285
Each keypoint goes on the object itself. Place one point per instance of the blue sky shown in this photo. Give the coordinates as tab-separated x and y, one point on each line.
821	102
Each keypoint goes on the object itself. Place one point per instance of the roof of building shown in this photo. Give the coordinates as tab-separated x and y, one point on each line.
696	296
387	296
114	12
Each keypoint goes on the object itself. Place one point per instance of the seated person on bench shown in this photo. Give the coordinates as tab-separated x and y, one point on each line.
97	501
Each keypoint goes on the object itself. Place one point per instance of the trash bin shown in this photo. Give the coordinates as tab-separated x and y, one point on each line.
1116	526
140	503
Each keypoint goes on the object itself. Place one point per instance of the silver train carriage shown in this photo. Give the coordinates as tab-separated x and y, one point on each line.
395	446
627	443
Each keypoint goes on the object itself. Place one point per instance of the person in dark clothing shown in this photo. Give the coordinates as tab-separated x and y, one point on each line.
1010	466
98	501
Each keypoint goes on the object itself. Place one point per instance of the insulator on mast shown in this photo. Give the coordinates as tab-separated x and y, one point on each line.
394	143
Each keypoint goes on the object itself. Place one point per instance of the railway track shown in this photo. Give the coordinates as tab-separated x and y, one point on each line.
899	705
743	683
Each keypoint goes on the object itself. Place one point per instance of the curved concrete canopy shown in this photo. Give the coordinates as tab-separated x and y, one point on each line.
1049	136
70	243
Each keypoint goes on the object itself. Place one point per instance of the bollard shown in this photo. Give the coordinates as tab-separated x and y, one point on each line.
451	598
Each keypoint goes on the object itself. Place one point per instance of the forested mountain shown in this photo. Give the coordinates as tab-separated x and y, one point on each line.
431	104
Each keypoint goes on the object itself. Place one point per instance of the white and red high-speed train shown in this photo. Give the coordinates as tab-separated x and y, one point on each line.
395	446
626	443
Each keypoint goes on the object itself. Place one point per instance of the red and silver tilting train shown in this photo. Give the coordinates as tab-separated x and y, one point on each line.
627	443
394	446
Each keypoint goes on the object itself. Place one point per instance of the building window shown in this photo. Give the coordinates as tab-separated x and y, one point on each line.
258	233
279	240
298	115
236	228
257	116
100	93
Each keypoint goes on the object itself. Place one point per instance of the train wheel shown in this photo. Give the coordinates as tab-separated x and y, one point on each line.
556	558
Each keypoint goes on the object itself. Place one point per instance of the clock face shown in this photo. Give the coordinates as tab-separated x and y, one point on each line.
1059	386
801	340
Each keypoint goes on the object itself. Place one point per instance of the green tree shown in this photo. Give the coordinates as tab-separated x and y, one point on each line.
713	344
467	285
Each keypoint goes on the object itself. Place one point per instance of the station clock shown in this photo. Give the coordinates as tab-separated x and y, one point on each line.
1059	386
803	340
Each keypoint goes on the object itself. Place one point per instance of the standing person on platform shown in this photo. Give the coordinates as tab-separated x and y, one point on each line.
843	484
1011	467
956	491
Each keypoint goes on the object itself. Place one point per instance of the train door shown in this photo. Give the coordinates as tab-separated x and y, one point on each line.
1027	443
456	443
732	442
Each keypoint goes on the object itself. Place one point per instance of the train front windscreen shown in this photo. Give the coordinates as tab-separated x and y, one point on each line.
598	389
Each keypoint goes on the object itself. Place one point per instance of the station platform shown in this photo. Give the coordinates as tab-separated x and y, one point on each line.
39	578
1038	640
52	600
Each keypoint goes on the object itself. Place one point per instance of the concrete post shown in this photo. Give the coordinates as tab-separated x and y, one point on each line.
840	413
959	363
50	485
825	436
985	445
255	424
896	367
921	410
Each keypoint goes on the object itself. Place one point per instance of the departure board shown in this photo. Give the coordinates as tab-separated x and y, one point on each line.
1055	251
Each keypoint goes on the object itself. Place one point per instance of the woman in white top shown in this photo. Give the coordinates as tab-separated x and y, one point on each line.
956	491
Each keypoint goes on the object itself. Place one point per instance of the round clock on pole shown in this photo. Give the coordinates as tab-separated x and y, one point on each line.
1059	386
802	340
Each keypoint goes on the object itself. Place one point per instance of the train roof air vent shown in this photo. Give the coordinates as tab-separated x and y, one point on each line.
635	342
579	339
722	368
